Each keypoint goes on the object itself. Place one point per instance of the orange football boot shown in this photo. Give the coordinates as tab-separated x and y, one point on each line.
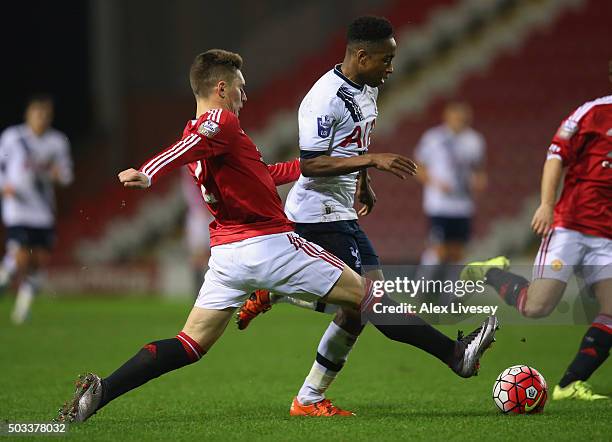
258	302
321	408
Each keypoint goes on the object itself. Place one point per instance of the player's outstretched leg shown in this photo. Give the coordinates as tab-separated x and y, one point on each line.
201	331
511	288
536	299
461	355
594	350
261	301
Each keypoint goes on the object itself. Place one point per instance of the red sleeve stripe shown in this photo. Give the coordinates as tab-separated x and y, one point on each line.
586	107
155	160
192	348
311	250
177	152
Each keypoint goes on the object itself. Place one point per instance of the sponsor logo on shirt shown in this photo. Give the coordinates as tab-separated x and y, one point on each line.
609	133
567	129
324	125
208	128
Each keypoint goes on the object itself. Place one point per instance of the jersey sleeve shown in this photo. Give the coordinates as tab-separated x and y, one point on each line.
570	137
213	135
317	119
480	151
286	172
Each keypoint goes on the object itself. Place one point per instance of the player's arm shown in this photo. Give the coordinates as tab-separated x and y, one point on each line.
365	194
479	181
424	157
325	165
551	178
318	120
285	172
163	163
478	177
62	169
212	139
561	152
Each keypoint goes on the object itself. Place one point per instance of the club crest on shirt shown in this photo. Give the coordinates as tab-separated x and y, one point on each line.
567	129
609	133
324	125
208	128
556	265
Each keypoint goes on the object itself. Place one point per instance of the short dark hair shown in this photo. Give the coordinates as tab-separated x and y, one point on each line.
212	66
39	98
369	29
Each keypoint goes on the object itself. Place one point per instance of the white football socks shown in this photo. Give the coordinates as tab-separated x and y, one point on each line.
310	305
332	353
25	296
23	302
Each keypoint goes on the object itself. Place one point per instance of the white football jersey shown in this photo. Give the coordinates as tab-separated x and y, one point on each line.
26	162
337	117
450	158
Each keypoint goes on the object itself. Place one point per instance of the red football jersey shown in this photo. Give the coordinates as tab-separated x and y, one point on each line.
238	187
584	144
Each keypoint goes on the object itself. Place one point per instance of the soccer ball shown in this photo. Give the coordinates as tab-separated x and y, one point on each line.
520	389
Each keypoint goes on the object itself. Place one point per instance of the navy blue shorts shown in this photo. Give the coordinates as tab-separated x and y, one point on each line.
447	229
345	239
31	237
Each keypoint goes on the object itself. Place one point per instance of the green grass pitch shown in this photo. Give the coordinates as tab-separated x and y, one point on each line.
242	389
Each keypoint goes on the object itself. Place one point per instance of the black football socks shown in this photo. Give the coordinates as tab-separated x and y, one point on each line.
594	350
150	362
510	287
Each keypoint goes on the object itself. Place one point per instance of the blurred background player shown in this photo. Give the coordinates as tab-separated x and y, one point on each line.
336	119
451	160
577	235
197	234
35	157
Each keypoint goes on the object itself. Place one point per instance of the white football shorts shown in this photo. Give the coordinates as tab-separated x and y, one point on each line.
283	263
564	251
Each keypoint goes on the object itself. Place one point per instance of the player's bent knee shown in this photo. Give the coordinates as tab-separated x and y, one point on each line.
533	310
206	326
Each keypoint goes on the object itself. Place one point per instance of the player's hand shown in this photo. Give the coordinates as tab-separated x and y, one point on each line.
443	186
542	219
366	196
8	191
133	178
55	173
398	165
